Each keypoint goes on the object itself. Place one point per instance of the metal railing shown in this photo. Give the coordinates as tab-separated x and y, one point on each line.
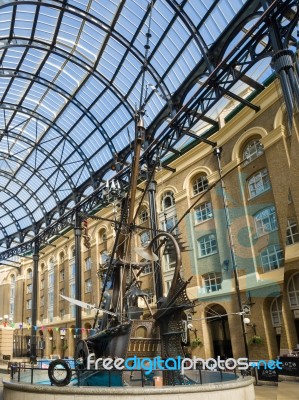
27	373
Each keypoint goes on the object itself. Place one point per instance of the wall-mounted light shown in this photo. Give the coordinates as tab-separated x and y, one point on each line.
247	323
62	334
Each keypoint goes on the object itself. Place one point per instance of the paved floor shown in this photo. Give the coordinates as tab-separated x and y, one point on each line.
284	391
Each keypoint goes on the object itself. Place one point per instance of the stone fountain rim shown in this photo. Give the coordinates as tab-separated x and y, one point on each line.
126	390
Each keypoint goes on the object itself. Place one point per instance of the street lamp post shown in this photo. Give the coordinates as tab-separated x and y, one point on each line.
217	152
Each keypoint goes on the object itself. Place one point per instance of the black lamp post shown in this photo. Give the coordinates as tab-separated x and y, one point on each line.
217	152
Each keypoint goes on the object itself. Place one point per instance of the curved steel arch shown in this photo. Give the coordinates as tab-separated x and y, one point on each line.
40	204
5	234
7	210
53	125
20	203
39	44
86	16
31	169
45	152
51	86
178	7
85	110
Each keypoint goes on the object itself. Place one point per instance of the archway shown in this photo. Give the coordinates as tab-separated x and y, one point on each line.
219	331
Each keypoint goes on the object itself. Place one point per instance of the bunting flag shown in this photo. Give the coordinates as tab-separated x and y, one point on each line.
74	330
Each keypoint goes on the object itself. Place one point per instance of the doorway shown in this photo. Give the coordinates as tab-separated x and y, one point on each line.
219	329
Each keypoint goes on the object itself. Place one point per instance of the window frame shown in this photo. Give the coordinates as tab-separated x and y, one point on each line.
261	222
294	292
294	236
167	195
276	250
215	281
199	184
258	150
258	183
207	245
88	264
276	314
143	215
88	285
204	211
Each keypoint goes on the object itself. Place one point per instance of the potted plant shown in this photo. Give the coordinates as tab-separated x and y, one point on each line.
256	340
195	343
65	346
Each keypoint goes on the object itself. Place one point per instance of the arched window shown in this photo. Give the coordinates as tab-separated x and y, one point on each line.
258	183
199	184
207	245
276	311
103	235
61	257
212	281
293	291
265	221
143	215
167	200
252	150
271	257
141	332
29	273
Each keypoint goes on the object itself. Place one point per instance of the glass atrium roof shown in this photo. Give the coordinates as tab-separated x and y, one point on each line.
74	73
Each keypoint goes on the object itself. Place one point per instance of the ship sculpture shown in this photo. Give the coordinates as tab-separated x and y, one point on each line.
118	315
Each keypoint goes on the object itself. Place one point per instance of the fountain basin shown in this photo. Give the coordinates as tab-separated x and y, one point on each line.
242	388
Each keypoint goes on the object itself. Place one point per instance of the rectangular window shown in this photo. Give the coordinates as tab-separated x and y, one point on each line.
62	313
292	232
259	183
265	221
88	286
61	275
272	257
61	291
207	245
42	301
29	288
72	270
147	269
51	299
29	304
203	212
88	264
42	284
72	290
150	295
169	258
51	279
169	223
212	282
